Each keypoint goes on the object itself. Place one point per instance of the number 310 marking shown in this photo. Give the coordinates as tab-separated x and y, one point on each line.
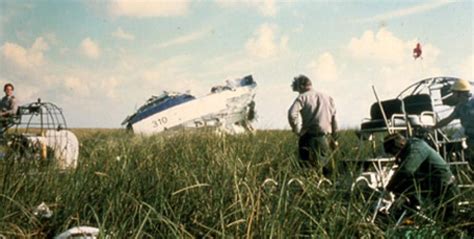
159	122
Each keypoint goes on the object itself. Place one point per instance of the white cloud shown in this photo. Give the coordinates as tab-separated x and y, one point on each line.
64	50
16	54
268	7
172	75
324	68
151	75
265	42
299	29
377	58
25	57
149	8
269	116
385	47
467	68
109	87
39	45
120	33
77	86
51	38
186	38
423	7
382	45
25	93
430	52
90	49
265	7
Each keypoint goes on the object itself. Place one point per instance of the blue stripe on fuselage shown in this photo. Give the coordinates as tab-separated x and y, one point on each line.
155	108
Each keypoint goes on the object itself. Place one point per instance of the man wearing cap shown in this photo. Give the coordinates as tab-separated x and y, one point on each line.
464	110
312	117
422	175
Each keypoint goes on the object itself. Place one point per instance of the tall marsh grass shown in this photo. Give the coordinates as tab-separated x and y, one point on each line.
187	185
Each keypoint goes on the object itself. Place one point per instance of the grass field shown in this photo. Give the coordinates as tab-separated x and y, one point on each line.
199	184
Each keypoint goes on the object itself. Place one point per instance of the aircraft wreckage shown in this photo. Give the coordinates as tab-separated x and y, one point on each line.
229	107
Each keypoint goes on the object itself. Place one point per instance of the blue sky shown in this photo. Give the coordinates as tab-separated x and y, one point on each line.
101	59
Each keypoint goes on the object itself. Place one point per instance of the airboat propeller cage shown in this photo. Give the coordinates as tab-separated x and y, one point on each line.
229	107
420	104
43	125
41	115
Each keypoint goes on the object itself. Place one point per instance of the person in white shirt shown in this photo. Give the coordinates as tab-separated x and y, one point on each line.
312	117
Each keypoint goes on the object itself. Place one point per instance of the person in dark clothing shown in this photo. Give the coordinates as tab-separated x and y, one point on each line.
8	108
423	176
8	104
464	111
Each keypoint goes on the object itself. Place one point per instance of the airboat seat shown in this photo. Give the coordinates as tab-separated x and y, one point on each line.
398	122
417	104
418	110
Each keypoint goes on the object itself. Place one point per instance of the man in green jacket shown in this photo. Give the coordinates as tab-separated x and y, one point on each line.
422	175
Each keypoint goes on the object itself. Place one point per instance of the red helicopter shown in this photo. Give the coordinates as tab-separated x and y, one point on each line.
417	51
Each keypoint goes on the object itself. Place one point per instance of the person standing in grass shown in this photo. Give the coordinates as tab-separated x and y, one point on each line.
8	104
464	111
312	117
8	108
422	176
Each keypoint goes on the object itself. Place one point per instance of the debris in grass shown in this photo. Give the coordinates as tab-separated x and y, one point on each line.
42	211
80	232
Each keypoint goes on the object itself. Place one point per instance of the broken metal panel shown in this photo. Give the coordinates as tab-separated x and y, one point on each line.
229	107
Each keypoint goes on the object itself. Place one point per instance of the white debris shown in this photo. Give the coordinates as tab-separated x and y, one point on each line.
64	144
81	232
42	211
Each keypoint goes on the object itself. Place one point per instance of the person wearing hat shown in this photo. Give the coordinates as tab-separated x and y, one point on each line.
422	176
8	104
312	117
464	111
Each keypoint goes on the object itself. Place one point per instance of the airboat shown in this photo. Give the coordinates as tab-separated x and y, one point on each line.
38	132
229	108
412	113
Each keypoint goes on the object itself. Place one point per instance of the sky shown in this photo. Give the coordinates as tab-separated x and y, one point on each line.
99	60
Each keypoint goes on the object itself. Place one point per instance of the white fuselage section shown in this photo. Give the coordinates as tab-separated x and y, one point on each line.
224	108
